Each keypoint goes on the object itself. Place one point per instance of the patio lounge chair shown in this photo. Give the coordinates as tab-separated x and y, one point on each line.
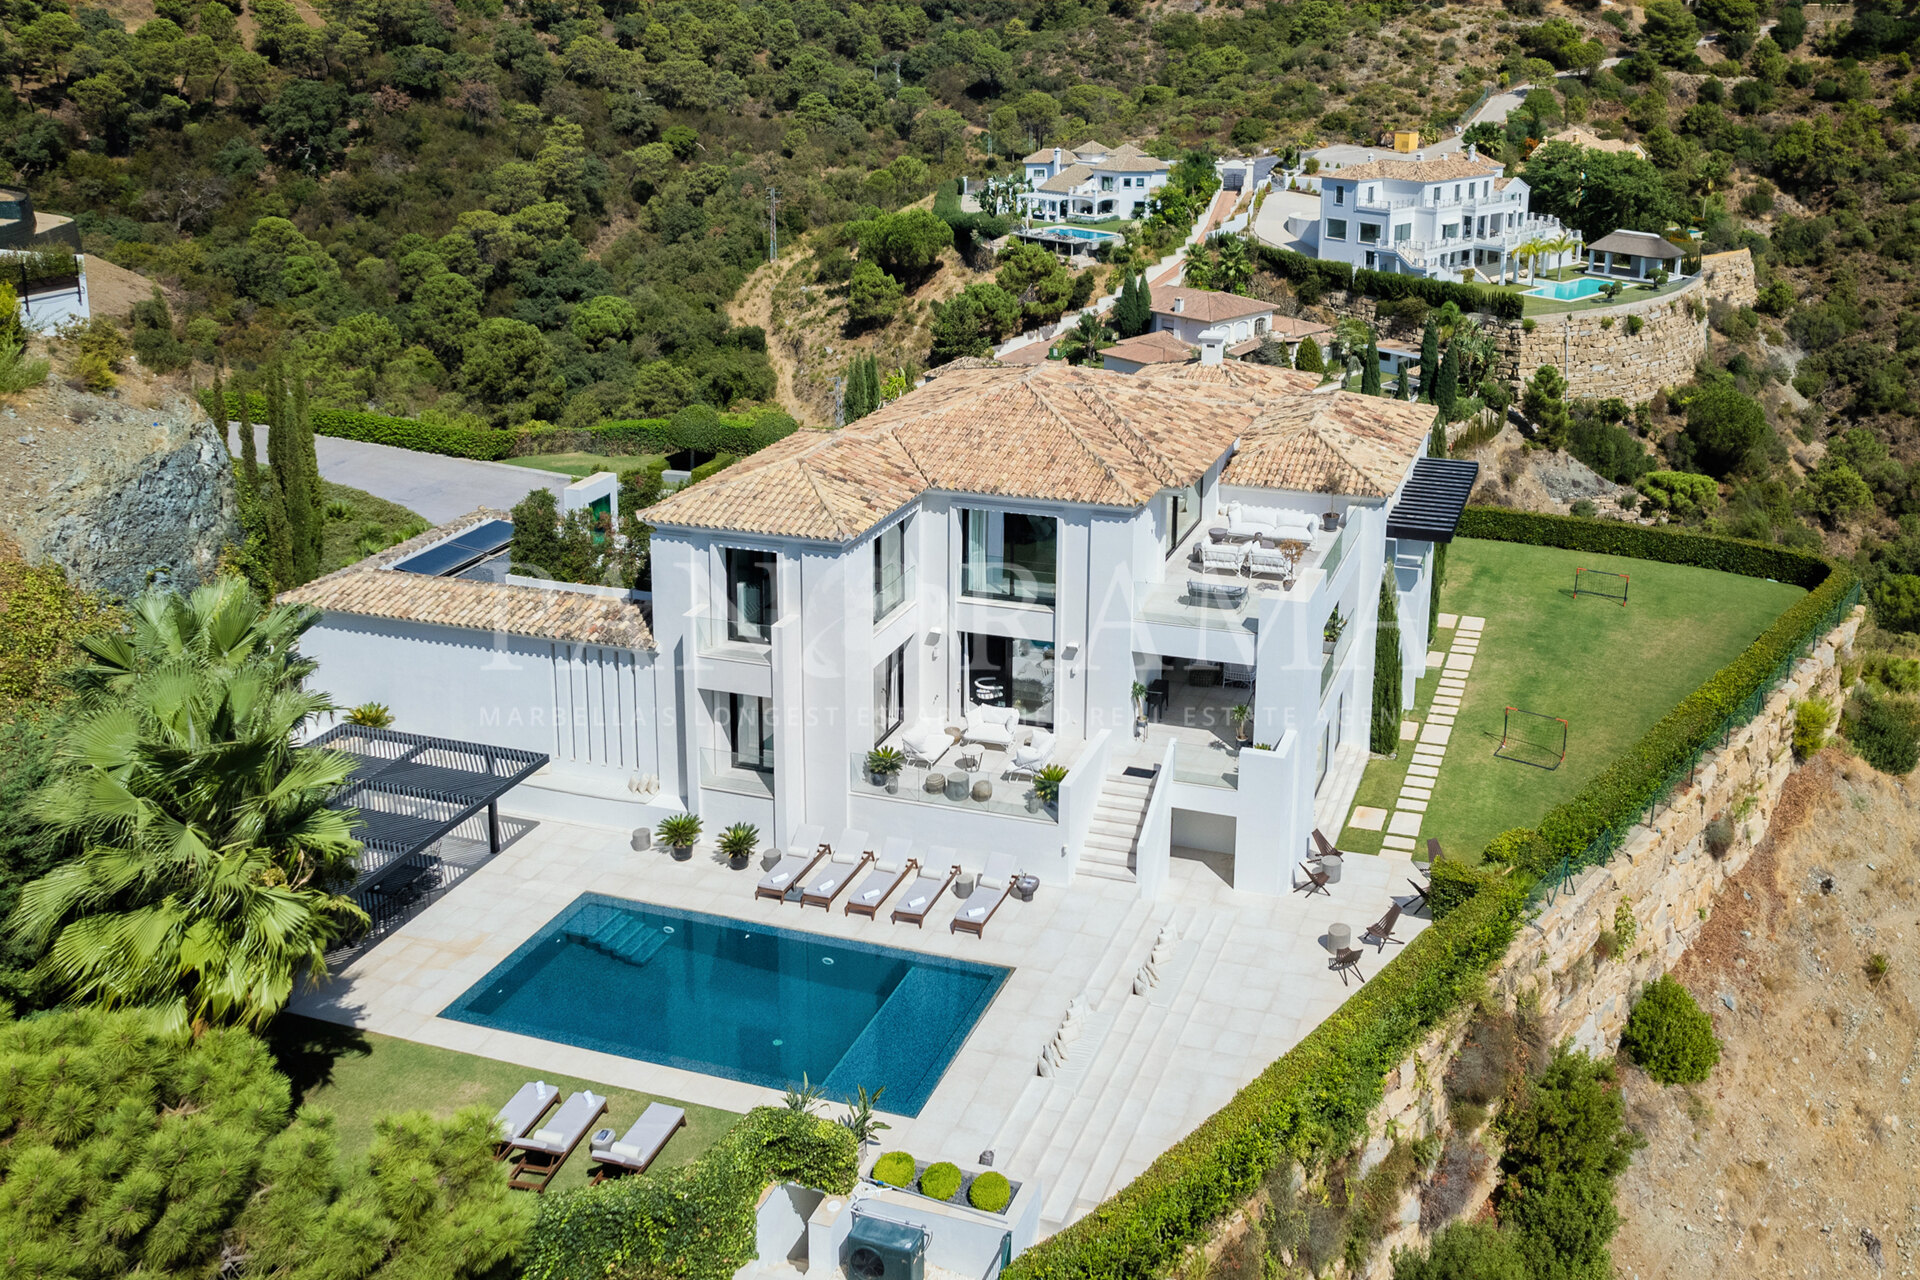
1316	881
918	897
1228	556
1324	845
642	1145
1381	930
807	848
848	857
893	867
1347	958
925	743
1423	892
1275	561
522	1110
991	726
539	1155
1032	758
992	889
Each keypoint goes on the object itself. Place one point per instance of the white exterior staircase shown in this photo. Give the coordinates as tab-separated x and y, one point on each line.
1109	851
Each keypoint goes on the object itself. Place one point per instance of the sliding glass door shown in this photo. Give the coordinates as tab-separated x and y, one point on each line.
1004	672
751	610
750	732
890	694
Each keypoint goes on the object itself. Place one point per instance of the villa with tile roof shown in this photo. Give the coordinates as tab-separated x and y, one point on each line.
1007	568
1092	181
1448	218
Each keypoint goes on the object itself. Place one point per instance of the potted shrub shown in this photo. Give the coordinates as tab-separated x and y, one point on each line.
895	1169
1139	706
884	765
679	833
1330	634
1242	717
941	1181
1046	783
738	842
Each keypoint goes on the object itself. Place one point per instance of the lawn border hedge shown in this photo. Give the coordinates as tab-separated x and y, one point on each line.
1313	1101
1586	829
1389	285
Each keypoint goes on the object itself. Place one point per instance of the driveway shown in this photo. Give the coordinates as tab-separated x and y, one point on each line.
438	488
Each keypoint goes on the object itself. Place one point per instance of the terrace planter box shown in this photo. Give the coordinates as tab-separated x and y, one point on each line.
958	1198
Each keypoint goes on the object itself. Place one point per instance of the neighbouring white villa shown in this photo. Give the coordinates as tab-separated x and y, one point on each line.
1091	181
979	575
1188	321
1454	217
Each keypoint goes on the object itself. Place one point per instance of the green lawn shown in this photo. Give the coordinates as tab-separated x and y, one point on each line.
579	465
1533	306
1612	672
358	1075
359	524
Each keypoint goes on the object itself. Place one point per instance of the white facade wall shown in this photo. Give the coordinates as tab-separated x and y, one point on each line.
1188	328
1425	228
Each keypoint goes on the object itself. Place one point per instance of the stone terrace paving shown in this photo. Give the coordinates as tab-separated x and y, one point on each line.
1246	981
1429	742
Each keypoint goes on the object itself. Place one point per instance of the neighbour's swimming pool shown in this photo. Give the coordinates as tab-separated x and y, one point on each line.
1570	290
1082	233
736	999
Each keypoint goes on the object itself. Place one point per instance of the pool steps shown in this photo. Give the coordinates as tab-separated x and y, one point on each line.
622	936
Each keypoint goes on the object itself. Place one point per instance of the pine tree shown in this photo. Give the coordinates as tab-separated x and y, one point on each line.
1308	357
1370	372
1386	672
1429	360
1446	388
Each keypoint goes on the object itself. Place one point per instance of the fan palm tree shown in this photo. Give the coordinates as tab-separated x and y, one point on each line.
210	864
1084	340
1559	247
222	626
1234	271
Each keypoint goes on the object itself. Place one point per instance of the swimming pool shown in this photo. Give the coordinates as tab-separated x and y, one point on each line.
736	999
1570	290
1082	233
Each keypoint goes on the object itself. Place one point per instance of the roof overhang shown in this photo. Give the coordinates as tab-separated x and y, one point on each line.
1429	506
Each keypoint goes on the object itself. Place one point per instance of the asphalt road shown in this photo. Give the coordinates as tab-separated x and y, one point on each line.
438	488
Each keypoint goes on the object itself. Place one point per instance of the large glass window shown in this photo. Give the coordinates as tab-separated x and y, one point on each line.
750	596
1369	233
1402	232
890	693
1007	555
750	732
1183	512
889	570
1005	672
1336	228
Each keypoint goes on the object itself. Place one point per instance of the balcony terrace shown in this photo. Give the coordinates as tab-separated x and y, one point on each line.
1223	599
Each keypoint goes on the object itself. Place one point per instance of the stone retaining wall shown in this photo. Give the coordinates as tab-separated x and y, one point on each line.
1730	278
1600	356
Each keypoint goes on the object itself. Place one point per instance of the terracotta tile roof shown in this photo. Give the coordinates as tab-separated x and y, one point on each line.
371	589
1158	347
1245	347
1294	328
1091	148
1067	179
1130	159
1032	353
1443	169
1205	305
1045	156
1332	442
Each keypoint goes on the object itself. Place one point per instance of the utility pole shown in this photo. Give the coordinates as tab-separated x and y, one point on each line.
773	224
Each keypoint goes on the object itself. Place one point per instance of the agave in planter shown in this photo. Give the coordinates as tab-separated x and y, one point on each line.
679	833
884	765
1046	783
738	842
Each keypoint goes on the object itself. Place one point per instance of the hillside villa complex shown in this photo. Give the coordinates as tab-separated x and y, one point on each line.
1091	181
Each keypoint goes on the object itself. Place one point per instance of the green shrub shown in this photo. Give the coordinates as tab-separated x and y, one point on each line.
1310	1103
1718	836
1884	731
1811	719
1681	492
719	462
1464	1251
1565	1144
696	1221
1669	1036
895	1168
1452	884
990	1192
1894	674
941	1181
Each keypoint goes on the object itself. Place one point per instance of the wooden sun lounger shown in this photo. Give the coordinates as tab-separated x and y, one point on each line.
919	899
873	892
522	1111
979	907
642	1145
539	1155
832	881
790	872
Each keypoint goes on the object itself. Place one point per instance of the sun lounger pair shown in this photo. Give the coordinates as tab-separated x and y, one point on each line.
539	1155
642	1144
992	889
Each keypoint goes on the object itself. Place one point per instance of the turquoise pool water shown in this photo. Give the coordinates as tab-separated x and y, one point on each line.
734	999
1082	233
1570	290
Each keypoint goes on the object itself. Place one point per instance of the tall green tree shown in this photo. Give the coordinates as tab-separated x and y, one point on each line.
1132	314
1083	342
1386	671
1308	357
1446	387
1429	359
210	863
1545	404
1370	371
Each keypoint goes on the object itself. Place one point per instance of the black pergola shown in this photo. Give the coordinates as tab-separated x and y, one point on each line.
1429	507
410	792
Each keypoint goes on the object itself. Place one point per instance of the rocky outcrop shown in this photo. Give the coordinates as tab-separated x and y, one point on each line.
118	493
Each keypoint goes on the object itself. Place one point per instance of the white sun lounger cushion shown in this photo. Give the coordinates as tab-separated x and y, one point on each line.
550	1137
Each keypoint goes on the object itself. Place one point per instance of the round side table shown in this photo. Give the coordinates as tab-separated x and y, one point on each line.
1339	937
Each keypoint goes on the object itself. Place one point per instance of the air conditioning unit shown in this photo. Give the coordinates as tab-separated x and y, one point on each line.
880	1250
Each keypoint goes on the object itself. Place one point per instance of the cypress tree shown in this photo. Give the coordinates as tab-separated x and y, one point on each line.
1386	672
1370	372
1133	313
1429	360
1308	357
1403	386
249	450
275	518
309	460
1446	388
286	451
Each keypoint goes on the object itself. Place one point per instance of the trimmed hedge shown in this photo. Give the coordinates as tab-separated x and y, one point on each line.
696	1221
1311	1102
1582	829
402	433
1451	885
1388	285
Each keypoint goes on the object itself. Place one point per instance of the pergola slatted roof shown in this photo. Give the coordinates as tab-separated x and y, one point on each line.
1430	504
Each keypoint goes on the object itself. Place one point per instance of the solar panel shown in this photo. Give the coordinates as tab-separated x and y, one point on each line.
458	552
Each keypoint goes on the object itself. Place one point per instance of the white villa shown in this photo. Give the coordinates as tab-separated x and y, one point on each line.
1188	321
1441	218
978	575
1091	181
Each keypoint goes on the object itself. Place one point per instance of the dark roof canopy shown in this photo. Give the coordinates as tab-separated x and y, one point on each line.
1430	505
1644	243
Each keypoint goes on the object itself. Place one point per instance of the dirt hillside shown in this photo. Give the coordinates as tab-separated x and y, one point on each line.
1800	1155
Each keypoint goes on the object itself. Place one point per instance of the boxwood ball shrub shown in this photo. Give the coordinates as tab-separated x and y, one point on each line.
1669	1036
894	1168
990	1192
940	1180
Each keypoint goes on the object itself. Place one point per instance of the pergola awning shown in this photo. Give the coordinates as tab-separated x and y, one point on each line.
1429	506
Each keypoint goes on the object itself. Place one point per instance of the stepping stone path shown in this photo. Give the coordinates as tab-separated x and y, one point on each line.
1430	748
